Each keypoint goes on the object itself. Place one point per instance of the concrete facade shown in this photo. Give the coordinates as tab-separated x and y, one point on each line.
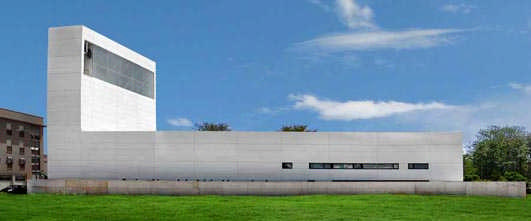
255	156
504	189
98	130
77	101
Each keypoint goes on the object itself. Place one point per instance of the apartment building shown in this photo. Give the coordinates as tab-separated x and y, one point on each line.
21	142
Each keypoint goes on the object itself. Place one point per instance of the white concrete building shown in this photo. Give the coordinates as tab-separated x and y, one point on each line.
102	125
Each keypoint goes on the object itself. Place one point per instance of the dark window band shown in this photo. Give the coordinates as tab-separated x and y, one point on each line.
418	166
111	68
377	166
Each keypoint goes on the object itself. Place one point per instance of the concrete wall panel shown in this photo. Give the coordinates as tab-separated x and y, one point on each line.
76	186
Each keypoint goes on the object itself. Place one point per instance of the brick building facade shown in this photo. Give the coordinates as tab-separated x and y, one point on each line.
21	145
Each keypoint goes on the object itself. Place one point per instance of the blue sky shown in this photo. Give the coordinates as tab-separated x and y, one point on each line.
345	65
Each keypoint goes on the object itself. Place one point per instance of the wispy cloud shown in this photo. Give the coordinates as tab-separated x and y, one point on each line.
321	4
355	110
458	8
365	34
521	87
180	122
354	15
361	41
272	111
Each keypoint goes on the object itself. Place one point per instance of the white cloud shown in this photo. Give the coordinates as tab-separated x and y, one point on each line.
458	8
360	41
510	110
349	12
354	110
180	122
521	87
353	15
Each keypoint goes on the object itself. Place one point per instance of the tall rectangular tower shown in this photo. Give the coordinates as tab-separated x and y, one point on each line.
96	84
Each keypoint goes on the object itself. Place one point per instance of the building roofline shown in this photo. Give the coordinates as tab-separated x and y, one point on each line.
32	119
31	115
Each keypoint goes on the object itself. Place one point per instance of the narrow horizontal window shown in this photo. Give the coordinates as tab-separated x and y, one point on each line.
338	166
392	166
316	166
380	166
287	165
418	166
113	69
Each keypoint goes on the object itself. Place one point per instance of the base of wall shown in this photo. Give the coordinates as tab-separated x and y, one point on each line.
77	186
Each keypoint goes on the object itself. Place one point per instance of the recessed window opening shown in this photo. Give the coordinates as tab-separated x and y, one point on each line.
111	68
287	165
418	166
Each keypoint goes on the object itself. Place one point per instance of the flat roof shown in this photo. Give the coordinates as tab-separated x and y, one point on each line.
23	117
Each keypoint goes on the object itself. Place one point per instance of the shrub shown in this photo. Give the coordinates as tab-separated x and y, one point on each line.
473	177
514	176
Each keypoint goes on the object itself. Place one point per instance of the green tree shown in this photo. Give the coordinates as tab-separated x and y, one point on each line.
529	156
296	128
499	152
470	172
205	126
528	147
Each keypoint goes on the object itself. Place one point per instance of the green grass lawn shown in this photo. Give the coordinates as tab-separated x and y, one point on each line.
319	207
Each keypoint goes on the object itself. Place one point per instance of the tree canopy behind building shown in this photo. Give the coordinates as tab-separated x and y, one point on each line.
206	126
499	153
297	128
